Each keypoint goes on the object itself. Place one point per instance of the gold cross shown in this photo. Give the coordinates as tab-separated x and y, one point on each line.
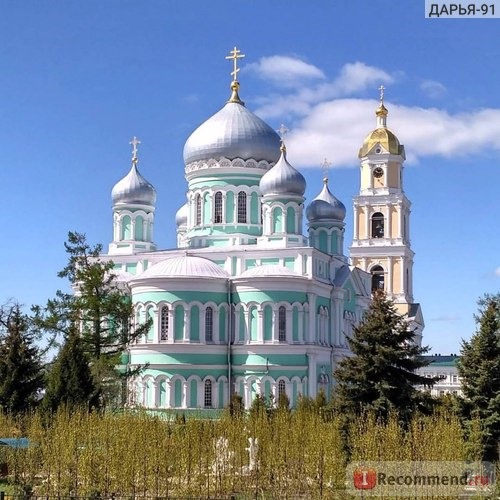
134	142
381	88
235	55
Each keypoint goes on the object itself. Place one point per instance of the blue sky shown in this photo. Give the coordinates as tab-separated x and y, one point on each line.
80	78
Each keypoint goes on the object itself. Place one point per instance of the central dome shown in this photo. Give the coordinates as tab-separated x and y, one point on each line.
233	132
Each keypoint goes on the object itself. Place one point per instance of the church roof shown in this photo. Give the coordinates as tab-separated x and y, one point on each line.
383	136
268	270
233	132
185	266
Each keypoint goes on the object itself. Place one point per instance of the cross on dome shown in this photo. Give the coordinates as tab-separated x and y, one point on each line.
134	142
325	166
381	88
235	54
282	131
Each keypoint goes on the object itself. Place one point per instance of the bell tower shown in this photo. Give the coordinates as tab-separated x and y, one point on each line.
381	242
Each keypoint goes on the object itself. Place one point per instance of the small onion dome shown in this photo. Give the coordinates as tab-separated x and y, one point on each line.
325	207
133	189
233	132
282	179
186	266
181	217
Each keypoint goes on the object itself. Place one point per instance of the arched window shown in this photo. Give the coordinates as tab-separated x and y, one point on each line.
209	324
218	208
164	323
377	225
208	394
197	204
282	324
377	278
281	388
242	207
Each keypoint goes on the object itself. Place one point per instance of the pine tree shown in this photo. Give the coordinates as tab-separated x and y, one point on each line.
381	376
70	381
21	369
101	307
479	369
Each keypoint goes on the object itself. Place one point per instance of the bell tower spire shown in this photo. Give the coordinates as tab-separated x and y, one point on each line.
381	242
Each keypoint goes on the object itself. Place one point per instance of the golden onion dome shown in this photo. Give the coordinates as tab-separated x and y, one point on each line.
382	136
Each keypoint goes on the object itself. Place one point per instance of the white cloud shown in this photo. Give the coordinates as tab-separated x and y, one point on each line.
285	70
497	272
336	129
433	89
353	78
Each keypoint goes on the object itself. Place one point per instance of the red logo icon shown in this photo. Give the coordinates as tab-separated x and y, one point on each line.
364	478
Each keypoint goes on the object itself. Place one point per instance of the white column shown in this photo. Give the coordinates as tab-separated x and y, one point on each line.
390	263
301	326
186	324
355	222
367	222
388	231
260	327
311	374
184	401
289	325
311	334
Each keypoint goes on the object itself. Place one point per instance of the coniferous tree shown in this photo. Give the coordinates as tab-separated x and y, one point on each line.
479	370
381	375
101	308
21	369
70	382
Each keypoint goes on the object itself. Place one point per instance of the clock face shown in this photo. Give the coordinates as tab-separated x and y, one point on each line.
378	172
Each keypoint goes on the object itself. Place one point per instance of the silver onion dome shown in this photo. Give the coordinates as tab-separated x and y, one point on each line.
282	179
325	207
133	189
233	132
181	217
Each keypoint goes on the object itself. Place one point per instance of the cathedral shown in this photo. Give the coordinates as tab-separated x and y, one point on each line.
246	303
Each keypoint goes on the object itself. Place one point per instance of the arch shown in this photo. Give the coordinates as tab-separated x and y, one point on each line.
206	212
197	209
290	220
277	220
218	208
126	228
281	388
164	320
162	393
378	278
194	325
268	323
209	324
253	326
193	393
255	212
178	396
378	225
242	207
150	316
208	393
179	323
323	241
139	228
282	324
229	207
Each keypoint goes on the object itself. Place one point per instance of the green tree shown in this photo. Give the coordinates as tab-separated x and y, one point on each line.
70	382
100	308
21	368
479	370
381	375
